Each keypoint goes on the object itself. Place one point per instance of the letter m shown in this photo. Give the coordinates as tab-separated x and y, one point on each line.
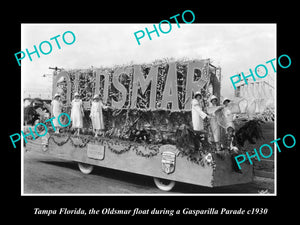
139	81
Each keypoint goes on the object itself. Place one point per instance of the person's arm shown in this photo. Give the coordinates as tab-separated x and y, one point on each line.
212	109
198	109
91	111
102	105
202	114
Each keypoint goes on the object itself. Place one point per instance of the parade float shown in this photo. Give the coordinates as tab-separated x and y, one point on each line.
148	124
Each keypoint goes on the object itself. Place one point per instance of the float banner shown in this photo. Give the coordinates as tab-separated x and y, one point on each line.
164	85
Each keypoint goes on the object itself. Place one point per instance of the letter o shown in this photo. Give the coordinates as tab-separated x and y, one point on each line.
63	37
40	47
66	116
46	130
290	61
271	151
265	70
183	16
159	26
294	139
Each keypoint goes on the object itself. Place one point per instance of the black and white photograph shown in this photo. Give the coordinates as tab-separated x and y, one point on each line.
145	109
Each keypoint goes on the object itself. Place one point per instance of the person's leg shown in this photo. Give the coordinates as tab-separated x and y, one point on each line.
196	139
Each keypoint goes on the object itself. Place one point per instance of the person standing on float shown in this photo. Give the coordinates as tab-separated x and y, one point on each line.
215	127
197	117
97	115
228	117
77	113
56	108
230	128
197	113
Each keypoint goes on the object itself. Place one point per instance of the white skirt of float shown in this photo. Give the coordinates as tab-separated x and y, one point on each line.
85	168
163	184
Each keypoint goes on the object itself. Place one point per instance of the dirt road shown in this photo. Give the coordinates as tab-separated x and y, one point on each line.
48	175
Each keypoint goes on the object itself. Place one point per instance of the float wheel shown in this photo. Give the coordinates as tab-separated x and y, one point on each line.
163	184
85	168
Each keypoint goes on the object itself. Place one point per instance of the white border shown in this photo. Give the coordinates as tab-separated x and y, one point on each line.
167	194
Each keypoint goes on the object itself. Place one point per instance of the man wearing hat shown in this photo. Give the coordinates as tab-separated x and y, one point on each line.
56	108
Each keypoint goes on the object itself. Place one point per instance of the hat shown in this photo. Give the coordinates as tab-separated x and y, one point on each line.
198	93
226	99
213	97
96	96
76	94
57	94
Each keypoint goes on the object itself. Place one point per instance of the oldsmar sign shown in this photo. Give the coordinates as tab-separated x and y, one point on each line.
167	86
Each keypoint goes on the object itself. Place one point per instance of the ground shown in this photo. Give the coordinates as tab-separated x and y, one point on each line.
45	174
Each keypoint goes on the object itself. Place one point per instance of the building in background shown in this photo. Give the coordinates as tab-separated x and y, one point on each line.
260	94
42	93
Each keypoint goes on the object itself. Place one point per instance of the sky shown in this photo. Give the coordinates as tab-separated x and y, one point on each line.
233	47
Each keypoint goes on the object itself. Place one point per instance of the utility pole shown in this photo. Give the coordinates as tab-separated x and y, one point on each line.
55	70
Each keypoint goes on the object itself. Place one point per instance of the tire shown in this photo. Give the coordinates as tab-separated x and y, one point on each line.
85	168
163	184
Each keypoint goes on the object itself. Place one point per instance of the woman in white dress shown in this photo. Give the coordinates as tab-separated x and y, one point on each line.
97	115
230	128
215	127
77	113
228	116
198	117
56	108
197	113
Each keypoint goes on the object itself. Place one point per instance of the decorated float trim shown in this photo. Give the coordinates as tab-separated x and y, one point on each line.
114	145
119	147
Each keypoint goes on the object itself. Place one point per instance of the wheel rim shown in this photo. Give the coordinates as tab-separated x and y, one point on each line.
85	168
164	184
